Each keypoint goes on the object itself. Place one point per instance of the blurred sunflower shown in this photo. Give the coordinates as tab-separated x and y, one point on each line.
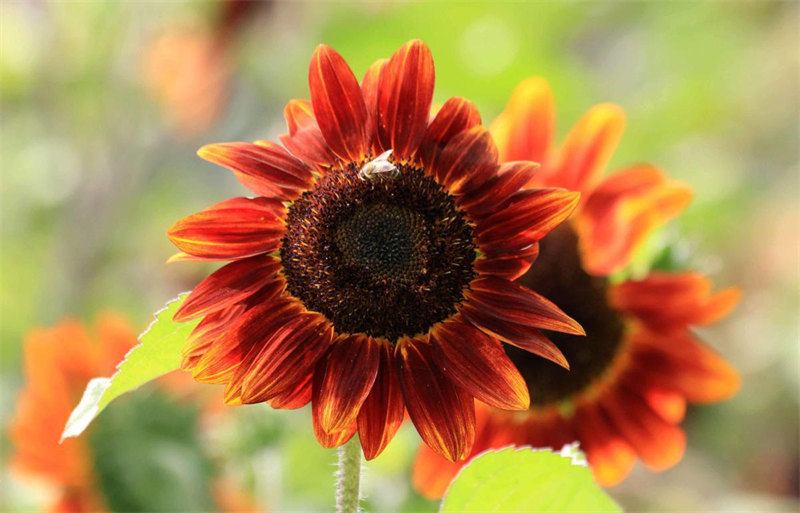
640	363
117	466
373	272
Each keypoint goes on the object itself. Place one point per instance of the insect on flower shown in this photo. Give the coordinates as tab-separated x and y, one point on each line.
378	168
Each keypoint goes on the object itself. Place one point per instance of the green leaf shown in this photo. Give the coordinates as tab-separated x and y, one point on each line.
158	352
525	479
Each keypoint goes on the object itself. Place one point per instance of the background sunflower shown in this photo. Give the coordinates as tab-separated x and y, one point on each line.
93	168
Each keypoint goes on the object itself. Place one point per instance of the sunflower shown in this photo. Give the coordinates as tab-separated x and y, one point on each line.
372	273
640	363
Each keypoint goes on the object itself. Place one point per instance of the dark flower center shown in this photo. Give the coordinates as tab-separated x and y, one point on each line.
386	255
558	275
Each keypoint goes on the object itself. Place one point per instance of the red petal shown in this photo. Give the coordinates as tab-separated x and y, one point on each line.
228	285
327	440
528	216
369	88
289	354
478	364
509	266
455	116
622	212
382	412
206	332
468	161
231	230
510	178
524	130
587	149
524	337
338	104
404	99
350	369
515	303
658	443
443	414
294	397
266	168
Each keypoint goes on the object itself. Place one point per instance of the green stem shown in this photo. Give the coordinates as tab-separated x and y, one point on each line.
349	476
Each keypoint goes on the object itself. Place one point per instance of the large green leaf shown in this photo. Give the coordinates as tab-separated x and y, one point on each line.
158	352
527	480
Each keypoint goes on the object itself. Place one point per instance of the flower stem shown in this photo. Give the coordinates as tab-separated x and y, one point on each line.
349	476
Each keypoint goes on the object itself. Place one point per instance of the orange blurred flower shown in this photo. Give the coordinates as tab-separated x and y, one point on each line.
631	377
373	272
59	361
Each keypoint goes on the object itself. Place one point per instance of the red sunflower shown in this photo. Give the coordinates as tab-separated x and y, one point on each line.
373	272
640	363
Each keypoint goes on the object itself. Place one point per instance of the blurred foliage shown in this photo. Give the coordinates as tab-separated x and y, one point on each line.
93	173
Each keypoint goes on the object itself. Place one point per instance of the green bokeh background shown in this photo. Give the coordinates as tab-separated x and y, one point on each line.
92	175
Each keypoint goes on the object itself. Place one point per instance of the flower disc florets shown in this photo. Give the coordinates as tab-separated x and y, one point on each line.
386	256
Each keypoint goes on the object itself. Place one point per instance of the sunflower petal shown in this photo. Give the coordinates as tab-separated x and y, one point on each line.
456	115
443	414
338	104
509	266
524	337
230	230
332	439
525	128
609	455
382	412
587	149
468	161
622	211
267	169
370	84
404	99
527	217
510	178
228	285
477	363
350	370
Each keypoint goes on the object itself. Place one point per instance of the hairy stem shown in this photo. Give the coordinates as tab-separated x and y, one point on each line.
349	477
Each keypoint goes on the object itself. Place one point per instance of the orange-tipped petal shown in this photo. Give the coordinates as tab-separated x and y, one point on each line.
267	169
350	368
477	363
338	104
383	410
622	212
228	285
587	149
294	397
676	361
524	130
659	443
456	115
299	114
404	99
230	230
443	414
673	300
609	456
528	216
524	337
332	439
468	161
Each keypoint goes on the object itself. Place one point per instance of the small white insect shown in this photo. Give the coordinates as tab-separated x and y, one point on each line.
379	167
